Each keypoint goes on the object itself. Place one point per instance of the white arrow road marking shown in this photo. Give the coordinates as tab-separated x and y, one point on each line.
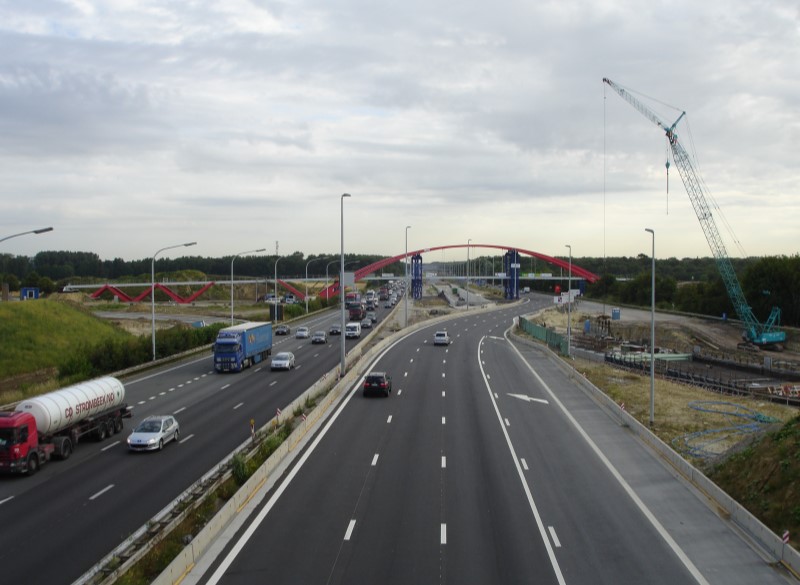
529	398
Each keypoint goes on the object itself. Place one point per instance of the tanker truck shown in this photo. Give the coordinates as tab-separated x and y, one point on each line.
240	346
50	425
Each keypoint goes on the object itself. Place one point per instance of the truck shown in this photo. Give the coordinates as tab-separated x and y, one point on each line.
240	346
356	306
49	426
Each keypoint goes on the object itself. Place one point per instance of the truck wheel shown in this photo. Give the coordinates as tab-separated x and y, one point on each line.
66	449
101	431
33	464
117	425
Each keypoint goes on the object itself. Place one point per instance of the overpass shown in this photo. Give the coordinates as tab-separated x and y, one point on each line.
330	291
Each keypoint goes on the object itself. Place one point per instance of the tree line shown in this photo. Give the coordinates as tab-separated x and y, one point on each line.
688	284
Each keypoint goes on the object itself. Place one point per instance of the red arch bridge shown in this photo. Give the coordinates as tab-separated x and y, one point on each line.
331	290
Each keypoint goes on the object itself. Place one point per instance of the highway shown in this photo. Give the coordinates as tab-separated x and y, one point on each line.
72	513
486	465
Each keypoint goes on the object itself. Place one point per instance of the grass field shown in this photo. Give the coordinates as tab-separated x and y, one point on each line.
37	335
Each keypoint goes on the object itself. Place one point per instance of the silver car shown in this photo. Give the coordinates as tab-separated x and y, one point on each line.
153	432
282	361
302	333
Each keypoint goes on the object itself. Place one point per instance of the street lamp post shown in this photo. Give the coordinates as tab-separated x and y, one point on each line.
569	303
232	259
408	227
277	259
39	231
341	283
652	328
153	287
326	279
469	242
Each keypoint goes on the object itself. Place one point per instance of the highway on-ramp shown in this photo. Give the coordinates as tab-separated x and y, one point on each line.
486	465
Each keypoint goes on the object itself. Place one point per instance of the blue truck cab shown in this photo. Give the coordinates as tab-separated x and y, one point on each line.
240	346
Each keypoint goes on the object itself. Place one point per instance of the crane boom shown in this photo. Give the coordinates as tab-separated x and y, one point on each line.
766	334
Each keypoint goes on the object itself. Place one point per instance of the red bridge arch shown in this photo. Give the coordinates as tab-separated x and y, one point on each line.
577	271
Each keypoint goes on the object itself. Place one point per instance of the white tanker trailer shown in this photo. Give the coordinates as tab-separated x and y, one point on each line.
52	424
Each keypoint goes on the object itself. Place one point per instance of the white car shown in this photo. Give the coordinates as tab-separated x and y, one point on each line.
282	361
441	338
153	432
303	333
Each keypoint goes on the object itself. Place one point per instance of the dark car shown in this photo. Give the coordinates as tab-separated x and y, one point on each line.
378	383
319	337
282	330
366	323
335	329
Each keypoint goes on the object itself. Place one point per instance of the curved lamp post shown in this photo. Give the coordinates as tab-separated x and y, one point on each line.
569	302
652	329
39	231
408	227
232	259
469	243
341	282
153	287
326	278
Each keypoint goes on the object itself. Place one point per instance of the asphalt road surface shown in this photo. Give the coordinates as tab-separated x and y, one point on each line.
486	465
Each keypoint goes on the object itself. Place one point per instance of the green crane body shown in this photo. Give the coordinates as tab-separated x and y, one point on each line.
763	335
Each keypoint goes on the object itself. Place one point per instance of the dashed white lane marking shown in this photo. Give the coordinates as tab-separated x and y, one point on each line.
238	405
183	440
524	464
181	409
114	444
443	374
350	528
375	460
508	424
442	393
399	391
443	534
444	462
389	420
162	393
556	542
152	398
225	386
443	420
8	499
102	491
273	382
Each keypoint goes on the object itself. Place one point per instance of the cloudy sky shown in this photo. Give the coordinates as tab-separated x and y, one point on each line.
132	125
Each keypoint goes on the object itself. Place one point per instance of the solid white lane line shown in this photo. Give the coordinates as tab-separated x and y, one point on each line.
687	562
524	464
375	460
349	532
556	542
444	462
389	420
181	409
238	405
102	491
443	534
526	488
114	444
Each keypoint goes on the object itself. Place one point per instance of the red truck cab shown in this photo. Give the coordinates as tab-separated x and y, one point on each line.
19	443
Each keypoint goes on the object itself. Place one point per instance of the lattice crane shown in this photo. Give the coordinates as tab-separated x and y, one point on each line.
764	335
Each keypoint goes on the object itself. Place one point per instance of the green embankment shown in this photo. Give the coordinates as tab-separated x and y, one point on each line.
38	335
765	479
